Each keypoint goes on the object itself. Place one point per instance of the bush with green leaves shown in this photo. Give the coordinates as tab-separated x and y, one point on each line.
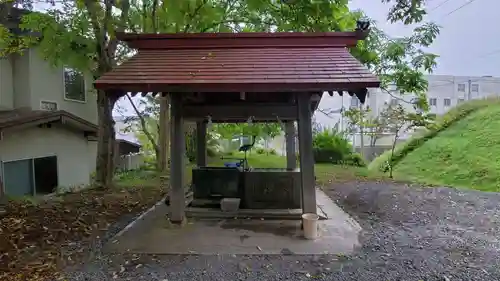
442	123
262	150
332	147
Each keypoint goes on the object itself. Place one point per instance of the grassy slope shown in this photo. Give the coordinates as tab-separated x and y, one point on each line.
442	123
467	154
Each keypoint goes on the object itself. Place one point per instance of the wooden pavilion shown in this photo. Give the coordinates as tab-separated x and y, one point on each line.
229	77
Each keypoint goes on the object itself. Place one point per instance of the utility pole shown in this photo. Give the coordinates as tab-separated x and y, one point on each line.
470	87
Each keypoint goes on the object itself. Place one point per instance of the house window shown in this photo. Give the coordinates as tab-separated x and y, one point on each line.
30	176
474	88
48	105
433	101
461	87
447	102
461	100
74	85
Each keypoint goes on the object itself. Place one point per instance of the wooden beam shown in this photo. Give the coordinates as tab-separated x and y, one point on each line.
291	156
201	144
306	154
177	161
242	112
163	134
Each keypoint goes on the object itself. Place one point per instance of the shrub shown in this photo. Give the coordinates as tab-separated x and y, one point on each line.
354	159
260	150
212	152
331	147
442	123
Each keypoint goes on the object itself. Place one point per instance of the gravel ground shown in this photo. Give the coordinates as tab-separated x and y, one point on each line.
409	234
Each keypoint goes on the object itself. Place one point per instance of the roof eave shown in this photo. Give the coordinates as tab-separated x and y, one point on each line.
241	40
236	87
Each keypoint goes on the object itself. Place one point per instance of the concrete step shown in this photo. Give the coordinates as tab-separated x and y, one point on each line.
269	214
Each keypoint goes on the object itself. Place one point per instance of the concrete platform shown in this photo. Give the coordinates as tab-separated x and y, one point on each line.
153	234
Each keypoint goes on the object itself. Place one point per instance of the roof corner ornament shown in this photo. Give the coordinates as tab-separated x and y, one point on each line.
363	24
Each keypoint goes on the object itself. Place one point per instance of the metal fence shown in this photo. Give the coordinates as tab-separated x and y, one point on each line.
130	162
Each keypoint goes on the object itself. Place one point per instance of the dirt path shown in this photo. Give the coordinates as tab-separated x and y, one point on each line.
410	234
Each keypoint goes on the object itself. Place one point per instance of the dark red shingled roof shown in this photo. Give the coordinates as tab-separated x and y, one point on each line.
241	62
24	116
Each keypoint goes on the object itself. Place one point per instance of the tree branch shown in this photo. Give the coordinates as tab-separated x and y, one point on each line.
330	111
92	11
121	26
396	97
193	15
143	124
154	19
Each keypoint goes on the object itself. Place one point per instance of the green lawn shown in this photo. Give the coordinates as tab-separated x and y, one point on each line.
467	154
325	173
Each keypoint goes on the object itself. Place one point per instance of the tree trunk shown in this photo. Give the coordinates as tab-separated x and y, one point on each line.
105	164
162	153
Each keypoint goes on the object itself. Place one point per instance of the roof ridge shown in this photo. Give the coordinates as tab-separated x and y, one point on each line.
242	39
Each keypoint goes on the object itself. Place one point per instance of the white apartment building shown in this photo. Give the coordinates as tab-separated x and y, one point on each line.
444	92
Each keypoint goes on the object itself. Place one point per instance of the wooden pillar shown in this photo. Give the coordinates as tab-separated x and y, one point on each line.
306	153
177	148
116	155
201	144
163	137
291	155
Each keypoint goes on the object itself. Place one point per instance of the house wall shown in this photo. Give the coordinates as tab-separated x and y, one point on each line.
29	79
47	83
69	147
6	84
92	155
20	79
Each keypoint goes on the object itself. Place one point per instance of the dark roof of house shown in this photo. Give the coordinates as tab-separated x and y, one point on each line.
22	117
129	143
240	62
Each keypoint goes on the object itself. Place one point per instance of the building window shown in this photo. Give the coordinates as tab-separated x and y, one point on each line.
74	85
474	88
461	87
461	100
394	101
433	102
447	102
48	105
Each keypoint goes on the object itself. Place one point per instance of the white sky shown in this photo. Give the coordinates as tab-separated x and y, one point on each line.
469	43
